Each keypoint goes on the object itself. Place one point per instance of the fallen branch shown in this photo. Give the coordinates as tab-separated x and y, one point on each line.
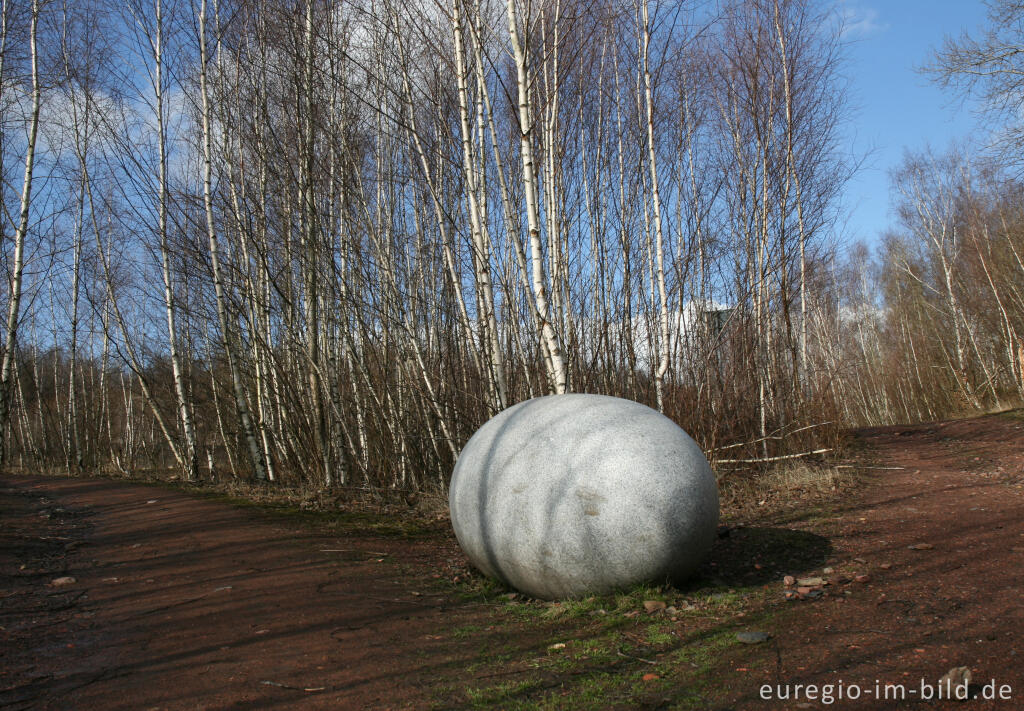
760	460
309	689
859	466
639	659
769	437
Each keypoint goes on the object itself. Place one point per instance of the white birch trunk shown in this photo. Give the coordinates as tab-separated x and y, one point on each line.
477	221
557	378
242	406
20	235
659	247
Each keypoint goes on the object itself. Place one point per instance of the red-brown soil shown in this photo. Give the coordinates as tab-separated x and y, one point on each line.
958	600
181	602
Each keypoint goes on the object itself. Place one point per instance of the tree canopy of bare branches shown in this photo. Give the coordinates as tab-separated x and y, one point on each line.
324	241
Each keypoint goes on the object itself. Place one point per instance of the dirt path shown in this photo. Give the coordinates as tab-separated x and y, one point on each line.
182	603
942	539
186	603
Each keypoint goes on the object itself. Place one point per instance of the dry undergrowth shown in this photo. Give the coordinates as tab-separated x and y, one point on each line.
745	495
784	487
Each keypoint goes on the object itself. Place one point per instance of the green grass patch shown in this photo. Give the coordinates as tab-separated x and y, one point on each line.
660	634
466	631
485	697
592	654
278	503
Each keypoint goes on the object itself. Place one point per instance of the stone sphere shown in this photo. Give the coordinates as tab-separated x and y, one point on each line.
569	495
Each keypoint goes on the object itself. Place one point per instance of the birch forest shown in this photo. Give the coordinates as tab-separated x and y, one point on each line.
321	242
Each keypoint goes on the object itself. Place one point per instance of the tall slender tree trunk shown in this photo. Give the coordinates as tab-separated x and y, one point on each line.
191	454
477	221
557	371
659	244
74	459
310	239
227	332
20	235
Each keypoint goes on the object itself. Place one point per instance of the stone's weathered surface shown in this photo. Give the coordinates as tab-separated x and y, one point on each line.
566	495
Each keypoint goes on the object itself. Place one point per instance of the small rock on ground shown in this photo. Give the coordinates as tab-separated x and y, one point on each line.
954	683
753	637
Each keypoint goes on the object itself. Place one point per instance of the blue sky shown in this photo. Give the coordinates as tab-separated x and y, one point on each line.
896	107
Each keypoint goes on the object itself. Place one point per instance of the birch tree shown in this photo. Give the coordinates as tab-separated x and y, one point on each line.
224	319
329	240
21	229
557	377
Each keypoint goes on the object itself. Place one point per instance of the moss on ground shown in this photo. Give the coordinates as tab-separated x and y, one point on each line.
607	651
324	520
612	652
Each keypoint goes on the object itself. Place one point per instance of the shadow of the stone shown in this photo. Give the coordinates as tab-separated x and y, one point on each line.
758	555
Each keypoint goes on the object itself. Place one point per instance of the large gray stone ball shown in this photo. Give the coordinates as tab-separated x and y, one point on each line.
569	495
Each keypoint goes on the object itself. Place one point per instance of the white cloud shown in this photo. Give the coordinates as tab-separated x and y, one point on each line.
860	21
